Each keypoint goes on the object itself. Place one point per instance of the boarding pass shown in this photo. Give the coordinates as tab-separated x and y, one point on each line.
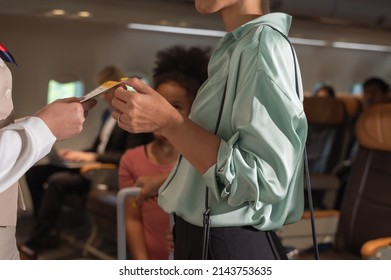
99	90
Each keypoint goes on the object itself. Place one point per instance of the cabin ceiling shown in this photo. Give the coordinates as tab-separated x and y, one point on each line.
370	13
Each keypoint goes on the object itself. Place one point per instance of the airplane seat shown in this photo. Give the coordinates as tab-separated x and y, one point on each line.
74	201
122	197
363	227
354	106
101	206
366	206
326	145
74	221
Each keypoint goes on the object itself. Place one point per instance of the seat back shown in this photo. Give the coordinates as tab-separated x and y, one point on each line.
354	107
326	146
101	206
366	207
326	142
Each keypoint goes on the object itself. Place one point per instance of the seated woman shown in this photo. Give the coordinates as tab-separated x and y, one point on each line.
177	78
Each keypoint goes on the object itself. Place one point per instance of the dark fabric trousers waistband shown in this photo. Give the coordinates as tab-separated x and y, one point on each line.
235	243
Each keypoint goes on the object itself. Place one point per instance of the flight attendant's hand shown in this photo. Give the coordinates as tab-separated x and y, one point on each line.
65	117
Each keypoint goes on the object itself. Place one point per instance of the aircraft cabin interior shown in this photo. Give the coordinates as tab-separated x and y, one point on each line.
60	46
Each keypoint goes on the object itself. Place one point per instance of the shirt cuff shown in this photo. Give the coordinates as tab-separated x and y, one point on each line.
38	129
220	175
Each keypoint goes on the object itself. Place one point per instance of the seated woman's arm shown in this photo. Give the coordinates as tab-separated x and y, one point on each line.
134	231
149	186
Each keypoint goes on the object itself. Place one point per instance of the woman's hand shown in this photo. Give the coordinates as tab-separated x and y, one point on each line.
144	110
147	111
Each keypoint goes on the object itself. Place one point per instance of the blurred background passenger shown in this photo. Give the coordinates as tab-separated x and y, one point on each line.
325	91
376	91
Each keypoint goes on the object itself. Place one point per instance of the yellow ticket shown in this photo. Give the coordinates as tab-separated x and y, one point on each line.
99	90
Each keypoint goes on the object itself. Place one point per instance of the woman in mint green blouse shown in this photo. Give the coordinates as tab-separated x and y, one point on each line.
253	165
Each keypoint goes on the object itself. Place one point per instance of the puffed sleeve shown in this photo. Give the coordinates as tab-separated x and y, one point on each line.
22	144
257	164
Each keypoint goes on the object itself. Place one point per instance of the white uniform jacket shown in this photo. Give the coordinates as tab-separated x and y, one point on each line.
22	144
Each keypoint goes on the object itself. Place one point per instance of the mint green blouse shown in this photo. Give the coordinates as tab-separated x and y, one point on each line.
258	178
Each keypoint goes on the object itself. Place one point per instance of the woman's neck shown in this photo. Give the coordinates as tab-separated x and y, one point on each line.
241	13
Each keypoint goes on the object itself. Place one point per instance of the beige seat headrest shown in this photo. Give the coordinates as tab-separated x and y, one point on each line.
373	129
324	110
353	104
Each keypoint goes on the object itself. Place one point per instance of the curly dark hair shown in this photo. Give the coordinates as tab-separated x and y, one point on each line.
186	66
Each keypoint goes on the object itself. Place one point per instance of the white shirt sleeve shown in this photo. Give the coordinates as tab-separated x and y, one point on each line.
22	144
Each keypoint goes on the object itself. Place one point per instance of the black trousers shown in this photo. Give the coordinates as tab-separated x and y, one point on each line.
36	178
59	185
226	243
